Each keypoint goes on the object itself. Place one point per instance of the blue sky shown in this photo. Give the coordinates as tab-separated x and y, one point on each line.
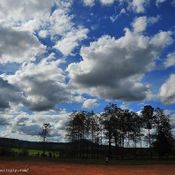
58	56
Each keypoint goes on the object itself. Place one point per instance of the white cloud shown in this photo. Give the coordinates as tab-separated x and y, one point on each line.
59	23
92	2
170	60
34	15
79	98
28	15
19	124
18	46
43	33
18	23
107	2
90	103
19	13
71	40
113	68
44	86
161	39
137	6
63	31
9	94
89	2
140	24
167	90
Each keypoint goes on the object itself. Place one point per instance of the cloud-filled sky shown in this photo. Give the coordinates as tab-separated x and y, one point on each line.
57	56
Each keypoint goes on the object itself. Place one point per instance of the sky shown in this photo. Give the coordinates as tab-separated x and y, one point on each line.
57	56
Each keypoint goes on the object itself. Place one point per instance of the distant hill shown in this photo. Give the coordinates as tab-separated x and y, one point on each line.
15	143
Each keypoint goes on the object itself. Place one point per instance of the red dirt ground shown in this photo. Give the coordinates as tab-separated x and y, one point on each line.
49	168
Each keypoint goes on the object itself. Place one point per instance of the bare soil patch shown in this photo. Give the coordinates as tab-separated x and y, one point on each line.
53	168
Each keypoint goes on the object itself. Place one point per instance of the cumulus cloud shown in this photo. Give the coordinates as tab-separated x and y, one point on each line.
59	23
71	40
63	31
137	6
3	121
107	2
32	130
35	15
24	15
167	91
170	60
113	68
22	125
140	24
43	33
89	2
16	46
44	86
90	103
28	17
9	94
79	98
103	2
161	39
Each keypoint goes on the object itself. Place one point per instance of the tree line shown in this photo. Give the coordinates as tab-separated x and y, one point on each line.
113	131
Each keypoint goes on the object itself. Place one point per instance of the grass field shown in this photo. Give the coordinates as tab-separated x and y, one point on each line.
55	168
33	152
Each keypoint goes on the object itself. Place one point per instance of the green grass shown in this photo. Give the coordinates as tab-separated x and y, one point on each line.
33	152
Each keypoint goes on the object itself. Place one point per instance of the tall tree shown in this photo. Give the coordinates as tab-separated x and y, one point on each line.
111	124
135	125
107	122
149	121
44	134
164	139
76	126
93	128
77	130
